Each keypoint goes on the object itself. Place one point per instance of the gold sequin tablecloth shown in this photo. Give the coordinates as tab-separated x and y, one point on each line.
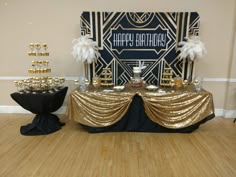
102	107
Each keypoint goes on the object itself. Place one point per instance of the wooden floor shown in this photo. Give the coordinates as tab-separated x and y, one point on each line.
210	151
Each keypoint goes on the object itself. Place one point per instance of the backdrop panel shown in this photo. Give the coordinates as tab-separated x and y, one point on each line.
125	38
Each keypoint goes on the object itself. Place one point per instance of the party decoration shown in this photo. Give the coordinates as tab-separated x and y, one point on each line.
167	80
40	69
85	50
124	38
106	77
192	48
137	80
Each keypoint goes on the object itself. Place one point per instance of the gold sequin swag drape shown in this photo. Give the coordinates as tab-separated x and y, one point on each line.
171	110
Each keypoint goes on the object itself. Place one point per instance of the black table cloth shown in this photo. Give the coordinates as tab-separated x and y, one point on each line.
140	110
136	120
42	104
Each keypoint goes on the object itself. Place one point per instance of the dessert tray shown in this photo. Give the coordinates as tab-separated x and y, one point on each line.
119	88
151	87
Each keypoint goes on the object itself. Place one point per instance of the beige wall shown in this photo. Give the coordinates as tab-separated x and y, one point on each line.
56	22
230	101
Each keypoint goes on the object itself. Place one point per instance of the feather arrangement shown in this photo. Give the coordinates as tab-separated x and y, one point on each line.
192	48
85	50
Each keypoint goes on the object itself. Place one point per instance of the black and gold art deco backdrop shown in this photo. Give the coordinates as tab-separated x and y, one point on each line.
125	38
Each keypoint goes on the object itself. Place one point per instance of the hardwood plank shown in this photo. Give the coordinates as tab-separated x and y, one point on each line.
71	151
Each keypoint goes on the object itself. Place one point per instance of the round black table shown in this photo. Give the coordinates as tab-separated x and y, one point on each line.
42	104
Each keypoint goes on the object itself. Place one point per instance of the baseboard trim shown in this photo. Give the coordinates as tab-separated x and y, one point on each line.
12	78
230	80
20	110
219	112
17	109
230	114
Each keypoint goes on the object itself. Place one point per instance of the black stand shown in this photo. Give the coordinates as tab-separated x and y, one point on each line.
42	124
235	120
41	104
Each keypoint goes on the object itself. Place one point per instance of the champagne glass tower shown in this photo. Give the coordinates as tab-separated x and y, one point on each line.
40	80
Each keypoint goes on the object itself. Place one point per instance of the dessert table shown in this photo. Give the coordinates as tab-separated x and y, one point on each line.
138	109
41	103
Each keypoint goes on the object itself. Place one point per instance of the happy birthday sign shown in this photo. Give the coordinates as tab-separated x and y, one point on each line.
128	39
125	38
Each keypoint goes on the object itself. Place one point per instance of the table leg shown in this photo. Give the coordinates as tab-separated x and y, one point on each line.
42	124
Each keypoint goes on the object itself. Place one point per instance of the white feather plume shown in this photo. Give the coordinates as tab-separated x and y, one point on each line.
192	48
85	50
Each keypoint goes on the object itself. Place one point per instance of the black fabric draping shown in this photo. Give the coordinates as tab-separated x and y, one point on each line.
136	120
41	104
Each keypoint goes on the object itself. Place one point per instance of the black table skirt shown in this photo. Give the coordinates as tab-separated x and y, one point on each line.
42	124
135	120
41	104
